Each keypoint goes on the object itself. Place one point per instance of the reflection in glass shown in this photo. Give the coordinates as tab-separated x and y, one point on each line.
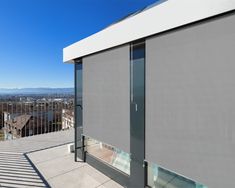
78	109
161	178
78	86
113	156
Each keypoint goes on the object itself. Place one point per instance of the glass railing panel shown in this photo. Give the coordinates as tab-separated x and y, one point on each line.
161	178
108	154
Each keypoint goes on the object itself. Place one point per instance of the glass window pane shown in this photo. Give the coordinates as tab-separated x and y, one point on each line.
162	178
78	109
108	154
78	67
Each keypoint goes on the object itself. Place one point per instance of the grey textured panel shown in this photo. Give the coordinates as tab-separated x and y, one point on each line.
190	101
106	97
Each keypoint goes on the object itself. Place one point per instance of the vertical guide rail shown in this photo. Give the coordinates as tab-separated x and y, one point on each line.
55	123
37	116
34	117
41	116
44	117
55	105
46	120
78	110
56	116
25	130
137	114
59	115
48	114
44	112
30	124
1	125
75	113
53	118
27	124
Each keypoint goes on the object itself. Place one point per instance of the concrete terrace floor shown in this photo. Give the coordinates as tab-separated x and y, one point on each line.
44	161
59	169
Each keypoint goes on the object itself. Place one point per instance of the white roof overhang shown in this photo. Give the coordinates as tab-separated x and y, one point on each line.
162	17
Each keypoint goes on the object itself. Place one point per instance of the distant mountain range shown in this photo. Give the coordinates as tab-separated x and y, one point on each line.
37	91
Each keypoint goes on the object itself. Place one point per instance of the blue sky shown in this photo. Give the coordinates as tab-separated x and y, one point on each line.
34	32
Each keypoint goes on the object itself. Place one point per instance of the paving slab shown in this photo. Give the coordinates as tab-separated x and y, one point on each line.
17	170
62	171
44	161
18	174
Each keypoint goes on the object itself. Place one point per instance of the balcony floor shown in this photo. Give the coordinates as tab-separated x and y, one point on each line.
60	170
44	161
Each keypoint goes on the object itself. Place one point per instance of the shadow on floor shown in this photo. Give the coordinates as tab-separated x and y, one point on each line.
17	170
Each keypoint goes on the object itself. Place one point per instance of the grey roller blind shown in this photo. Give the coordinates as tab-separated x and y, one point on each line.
190	101
106	97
